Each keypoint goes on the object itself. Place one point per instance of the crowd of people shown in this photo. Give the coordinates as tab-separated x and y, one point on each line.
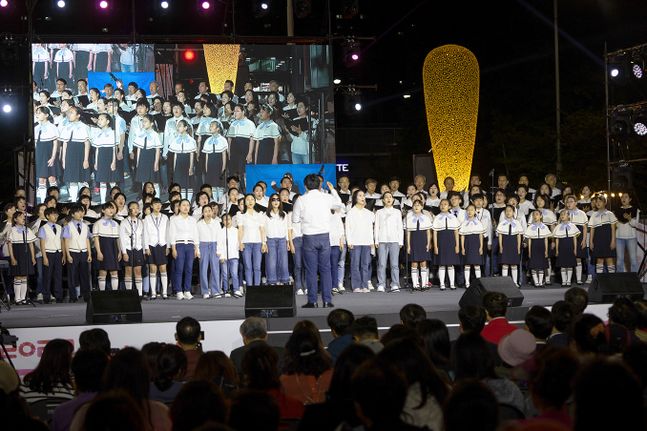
562	369
309	236
102	137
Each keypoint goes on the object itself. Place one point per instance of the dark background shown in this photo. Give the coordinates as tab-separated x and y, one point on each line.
512	40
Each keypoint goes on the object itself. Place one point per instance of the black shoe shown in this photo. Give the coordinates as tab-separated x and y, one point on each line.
328	305
310	305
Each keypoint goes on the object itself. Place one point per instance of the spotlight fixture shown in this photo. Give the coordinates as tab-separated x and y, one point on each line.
358	106
189	55
164	5
205	5
406	96
103	4
265	6
351	50
4	3
614	72
640	125
7	108
60	4
336	81
636	70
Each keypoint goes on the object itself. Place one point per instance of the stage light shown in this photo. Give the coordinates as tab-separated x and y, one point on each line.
637	70
189	55
406	96
640	126
164	5
614	72
103	4
336	81
60	4
205	5
6	108
358	106
264	6
4	3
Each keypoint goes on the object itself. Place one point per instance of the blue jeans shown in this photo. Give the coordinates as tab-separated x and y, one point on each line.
335	252
299	281
341	268
360	258
227	268
276	261
316	253
390	251
39	277
252	258
127	67
183	267
209	283
631	245
300	159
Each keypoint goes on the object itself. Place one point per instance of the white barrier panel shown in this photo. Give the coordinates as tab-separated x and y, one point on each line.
218	335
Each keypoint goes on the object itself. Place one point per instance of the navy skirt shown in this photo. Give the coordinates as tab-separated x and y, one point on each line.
602	243
43	154
213	169
566	257
581	252
74	155
509	254
23	265
110	254
238	155
135	258
145	166
158	255
181	169
104	174
419	251
472	245
265	151
447	249
538	260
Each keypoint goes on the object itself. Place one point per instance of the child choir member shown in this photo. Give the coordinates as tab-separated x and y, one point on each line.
603	236
46	137
278	234
471	235
359	237
107	245
131	240
446	244
566	233
418	225
22	255
184	241
208	231
537	234
156	229
388	240
510	231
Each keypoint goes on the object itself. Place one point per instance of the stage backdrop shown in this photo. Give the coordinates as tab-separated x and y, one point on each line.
269	173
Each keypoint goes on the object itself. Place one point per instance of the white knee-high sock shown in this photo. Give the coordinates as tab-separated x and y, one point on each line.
114	282
415	282
504	270
102	282
164	281
515	274
103	190
569	276
452	276
138	285
535	277
563	273
73	189
477	271
153	284
611	269
128	281
540	275
41	193
23	288
17	292
578	271
599	268
467	271
424	277
441	275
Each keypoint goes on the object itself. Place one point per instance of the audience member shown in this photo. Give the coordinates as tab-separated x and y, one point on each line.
365	332
188	336
196	404
215	367
95	338
252	330
411	315
561	315
539	323
496	307
340	322
115	411
472	318
578	298
254	411
171	367
641	322
471	406
51	379
437	346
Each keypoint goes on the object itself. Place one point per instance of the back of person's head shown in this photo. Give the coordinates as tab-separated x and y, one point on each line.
472	318
128	371
435	336
578	298
253	328
588	334
151	351
365	328
399	331
623	312
495	304
641	309
171	366
472	358
187	331
115	411
53	367
304	353
409	359
340	321
216	367
260	367
88	367
608	396
552	385
379	391
95	338
254	411
411	315
196	404
562	315
347	363
471	406
311	182
538	321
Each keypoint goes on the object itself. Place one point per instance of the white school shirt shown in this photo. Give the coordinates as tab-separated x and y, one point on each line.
149	137
77	242
251	222
136	128
45	132
215	144
170	132
627	230
359	226
566	230
63	55
388	226
227	243
131	231
510	227
548	217
103	138
459	213
471	226
52	239
537	231
446	221
277	227
155	230
526	207
204	123
412	220
312	210
75	131
267	129
208	232
106	228
183	144
600	218
243	128
183	230
336	230
486	219
39	54
296	229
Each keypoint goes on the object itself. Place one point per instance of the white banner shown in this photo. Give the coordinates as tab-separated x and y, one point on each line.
218	335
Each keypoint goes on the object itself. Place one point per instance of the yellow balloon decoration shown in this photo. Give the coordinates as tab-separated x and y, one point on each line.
222	64
451	86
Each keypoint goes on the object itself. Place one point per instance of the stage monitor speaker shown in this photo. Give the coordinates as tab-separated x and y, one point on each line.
118	306
606	287
474	294
270	301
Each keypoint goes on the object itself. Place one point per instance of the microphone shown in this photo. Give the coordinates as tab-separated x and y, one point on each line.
491	172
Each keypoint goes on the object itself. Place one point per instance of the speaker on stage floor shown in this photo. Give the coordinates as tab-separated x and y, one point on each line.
606	287
270	301
474	294
118	306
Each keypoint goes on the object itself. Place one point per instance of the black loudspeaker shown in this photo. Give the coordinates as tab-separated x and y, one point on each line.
474	294
119	306
270	301
606	287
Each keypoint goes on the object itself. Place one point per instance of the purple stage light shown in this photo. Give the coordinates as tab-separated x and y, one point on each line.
354	56
205	5
103	4
4	3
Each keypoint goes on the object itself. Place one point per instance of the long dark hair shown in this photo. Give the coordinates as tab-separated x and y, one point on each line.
53	368
435	335
171	366
260	367
269	206
304	351
472	358
216	367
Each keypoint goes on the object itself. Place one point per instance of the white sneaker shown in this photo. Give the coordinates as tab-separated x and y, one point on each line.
179	296
394	289
227	295
187	295
370	285
206	296
300	292
589	279
341	288
380	289
366	290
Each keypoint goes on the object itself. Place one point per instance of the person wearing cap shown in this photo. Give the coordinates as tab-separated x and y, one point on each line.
496	306
517	347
